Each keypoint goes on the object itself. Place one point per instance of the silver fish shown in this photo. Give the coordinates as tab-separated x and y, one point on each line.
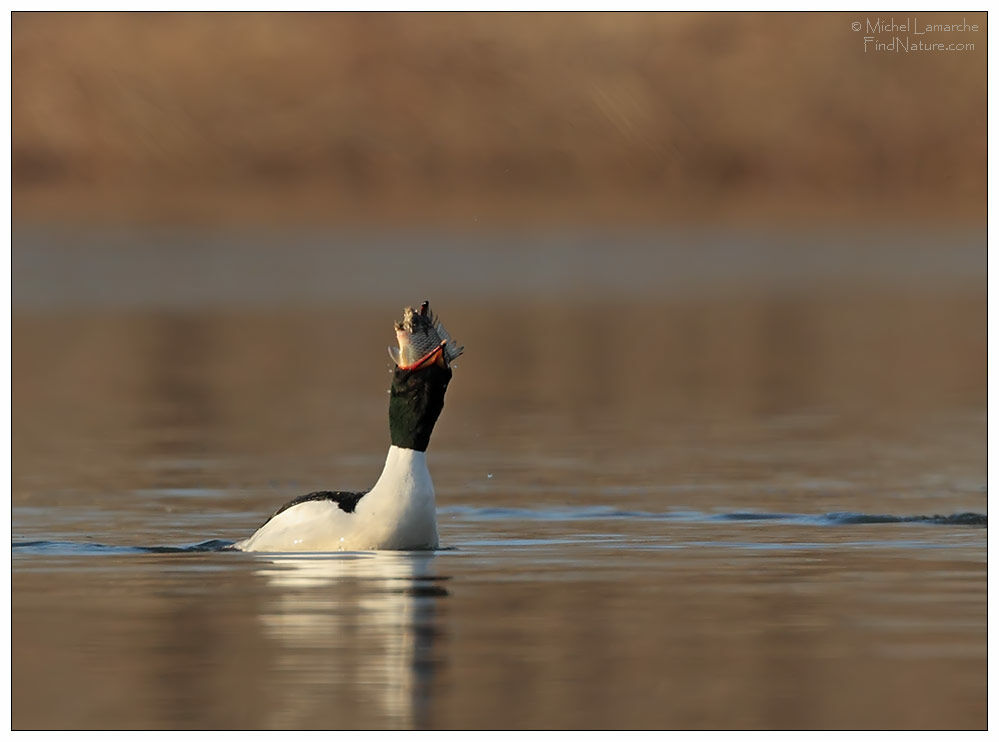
420	336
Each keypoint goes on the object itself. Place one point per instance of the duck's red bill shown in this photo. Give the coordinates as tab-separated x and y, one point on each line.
429	359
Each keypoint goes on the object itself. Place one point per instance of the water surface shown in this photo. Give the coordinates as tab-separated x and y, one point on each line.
755	502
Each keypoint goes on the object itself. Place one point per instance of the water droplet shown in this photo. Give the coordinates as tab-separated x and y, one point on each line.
489	476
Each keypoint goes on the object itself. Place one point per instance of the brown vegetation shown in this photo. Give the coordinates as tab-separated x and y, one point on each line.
439	118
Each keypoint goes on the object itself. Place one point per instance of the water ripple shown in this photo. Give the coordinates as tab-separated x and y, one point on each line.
610	513
562	514
73	548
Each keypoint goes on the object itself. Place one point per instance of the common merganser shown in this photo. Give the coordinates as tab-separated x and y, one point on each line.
399	512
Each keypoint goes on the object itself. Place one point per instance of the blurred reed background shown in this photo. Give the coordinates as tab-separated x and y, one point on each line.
450	119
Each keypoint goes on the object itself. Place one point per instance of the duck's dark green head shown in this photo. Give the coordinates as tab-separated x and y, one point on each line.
416	401
419	381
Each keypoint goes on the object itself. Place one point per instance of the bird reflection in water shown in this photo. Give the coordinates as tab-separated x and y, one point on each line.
356	631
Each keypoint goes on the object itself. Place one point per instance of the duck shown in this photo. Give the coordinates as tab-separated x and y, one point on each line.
399	512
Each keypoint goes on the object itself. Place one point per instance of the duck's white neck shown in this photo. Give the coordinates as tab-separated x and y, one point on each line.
405	472
402	502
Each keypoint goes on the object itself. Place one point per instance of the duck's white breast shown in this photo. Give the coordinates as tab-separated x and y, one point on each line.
398	513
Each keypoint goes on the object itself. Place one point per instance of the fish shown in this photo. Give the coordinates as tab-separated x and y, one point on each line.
422	340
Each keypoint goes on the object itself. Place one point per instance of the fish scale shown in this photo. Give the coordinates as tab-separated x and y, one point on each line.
419	334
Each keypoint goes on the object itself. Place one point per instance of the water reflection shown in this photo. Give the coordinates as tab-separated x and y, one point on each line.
174	358
357	630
